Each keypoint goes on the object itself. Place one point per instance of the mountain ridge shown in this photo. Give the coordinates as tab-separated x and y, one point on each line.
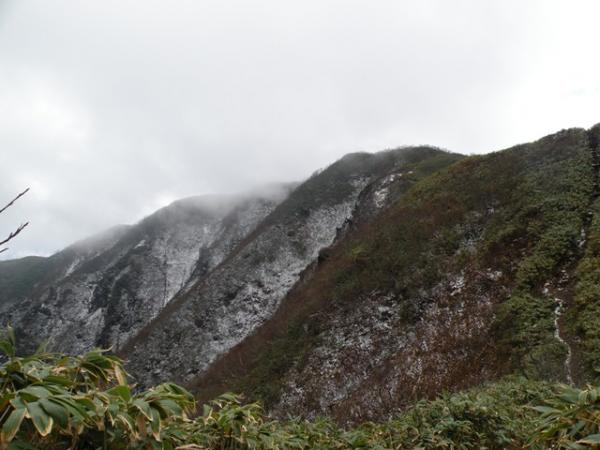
566	156
163	247
382	279
298	228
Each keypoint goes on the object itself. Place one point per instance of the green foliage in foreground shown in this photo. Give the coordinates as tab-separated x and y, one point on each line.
50	401
511	414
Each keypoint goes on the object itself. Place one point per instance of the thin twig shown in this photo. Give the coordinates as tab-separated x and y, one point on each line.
14	200
14	233
18	230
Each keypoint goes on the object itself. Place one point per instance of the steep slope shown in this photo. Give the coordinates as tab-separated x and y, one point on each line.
581	323
451	286
240	294
101	291
19	278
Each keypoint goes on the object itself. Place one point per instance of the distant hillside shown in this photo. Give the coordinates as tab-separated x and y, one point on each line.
481	269
102	290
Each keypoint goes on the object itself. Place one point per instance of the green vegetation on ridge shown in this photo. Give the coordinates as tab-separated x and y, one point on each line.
584	317
517	212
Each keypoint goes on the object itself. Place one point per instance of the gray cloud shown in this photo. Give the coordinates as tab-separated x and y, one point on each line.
110	109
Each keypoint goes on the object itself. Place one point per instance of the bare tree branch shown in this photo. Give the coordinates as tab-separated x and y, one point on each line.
14	233
14	200
20	228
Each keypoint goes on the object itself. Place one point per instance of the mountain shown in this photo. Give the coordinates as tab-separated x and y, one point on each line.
101	291
485	268
243	292
20	277
382	279
194	279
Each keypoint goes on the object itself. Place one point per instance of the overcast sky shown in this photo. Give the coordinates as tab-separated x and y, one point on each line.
110	109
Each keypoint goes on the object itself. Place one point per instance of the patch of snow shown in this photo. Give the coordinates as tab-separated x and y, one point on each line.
380	196
582	238
457	285
493	275
558	310
72	267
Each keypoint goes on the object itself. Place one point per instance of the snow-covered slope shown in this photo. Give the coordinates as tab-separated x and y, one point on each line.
101	291
238	296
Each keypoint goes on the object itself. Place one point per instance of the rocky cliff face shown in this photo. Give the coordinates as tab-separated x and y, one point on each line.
101	291
243	292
